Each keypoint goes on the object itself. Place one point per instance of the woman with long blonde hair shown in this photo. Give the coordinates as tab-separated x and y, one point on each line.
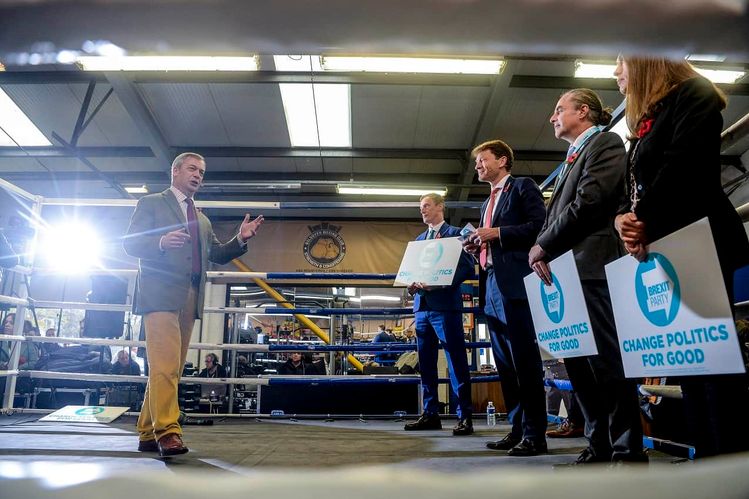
674	179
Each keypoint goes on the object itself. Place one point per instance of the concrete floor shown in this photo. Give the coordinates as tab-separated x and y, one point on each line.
38	458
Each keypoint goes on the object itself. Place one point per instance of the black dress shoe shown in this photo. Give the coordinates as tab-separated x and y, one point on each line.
506	443
425	422
528	447
464	427
587	456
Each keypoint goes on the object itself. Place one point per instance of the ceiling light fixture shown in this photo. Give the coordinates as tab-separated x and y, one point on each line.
135	189
317	115
603	70
412	65
167	63
18	128
323	108
389	191
721	75
252	186
594	70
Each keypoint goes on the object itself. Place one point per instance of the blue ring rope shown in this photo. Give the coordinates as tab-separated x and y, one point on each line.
361	347
350	311
330	276
375	380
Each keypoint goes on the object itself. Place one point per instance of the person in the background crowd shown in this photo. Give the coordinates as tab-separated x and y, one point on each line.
385	336
124	364
297	364
674	179
50	348
30	352
212	367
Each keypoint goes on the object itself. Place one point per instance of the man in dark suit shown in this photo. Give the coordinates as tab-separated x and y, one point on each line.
173	243
511	219
580	218
439	319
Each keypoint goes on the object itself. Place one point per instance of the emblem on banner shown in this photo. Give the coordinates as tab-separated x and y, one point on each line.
553	300
324	247
658	290
89	411
430	255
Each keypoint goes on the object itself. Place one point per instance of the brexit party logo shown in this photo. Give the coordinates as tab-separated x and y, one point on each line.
324	247
430	255
89	411
657	289
553	300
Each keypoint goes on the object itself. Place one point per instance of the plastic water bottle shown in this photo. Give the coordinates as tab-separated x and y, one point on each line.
491	414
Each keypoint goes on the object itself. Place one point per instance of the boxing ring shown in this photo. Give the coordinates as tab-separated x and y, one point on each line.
20	300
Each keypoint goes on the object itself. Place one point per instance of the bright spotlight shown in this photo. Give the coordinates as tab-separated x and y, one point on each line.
70	248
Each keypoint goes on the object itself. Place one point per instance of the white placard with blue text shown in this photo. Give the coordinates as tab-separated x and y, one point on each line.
560	316
431	261
86	414
672	312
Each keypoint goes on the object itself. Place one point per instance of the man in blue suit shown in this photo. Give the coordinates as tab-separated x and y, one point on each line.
511	219
439	320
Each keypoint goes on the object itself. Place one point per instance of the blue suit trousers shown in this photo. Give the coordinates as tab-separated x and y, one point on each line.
433	328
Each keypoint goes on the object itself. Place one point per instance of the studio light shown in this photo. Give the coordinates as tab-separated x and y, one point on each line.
69	248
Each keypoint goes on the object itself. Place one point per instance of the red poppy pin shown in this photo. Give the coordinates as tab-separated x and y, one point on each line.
507	187
571	158
645	127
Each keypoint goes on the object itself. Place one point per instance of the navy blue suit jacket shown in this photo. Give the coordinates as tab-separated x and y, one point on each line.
446	298
520	216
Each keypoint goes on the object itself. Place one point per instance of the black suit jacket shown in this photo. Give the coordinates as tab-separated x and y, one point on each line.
677	167
582	208
519	215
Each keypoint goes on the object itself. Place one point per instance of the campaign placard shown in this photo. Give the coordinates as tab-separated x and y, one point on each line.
86	414
672	312
560	316
432	261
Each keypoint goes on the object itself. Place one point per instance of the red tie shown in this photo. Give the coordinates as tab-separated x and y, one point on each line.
487	223
193	230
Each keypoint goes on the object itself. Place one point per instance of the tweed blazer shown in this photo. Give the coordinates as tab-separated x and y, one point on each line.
164	277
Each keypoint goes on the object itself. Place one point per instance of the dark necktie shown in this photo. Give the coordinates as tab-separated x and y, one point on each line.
488	223
430	234
193	230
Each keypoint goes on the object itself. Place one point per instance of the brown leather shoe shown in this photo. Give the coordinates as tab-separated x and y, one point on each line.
148	446
171	445
567	429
